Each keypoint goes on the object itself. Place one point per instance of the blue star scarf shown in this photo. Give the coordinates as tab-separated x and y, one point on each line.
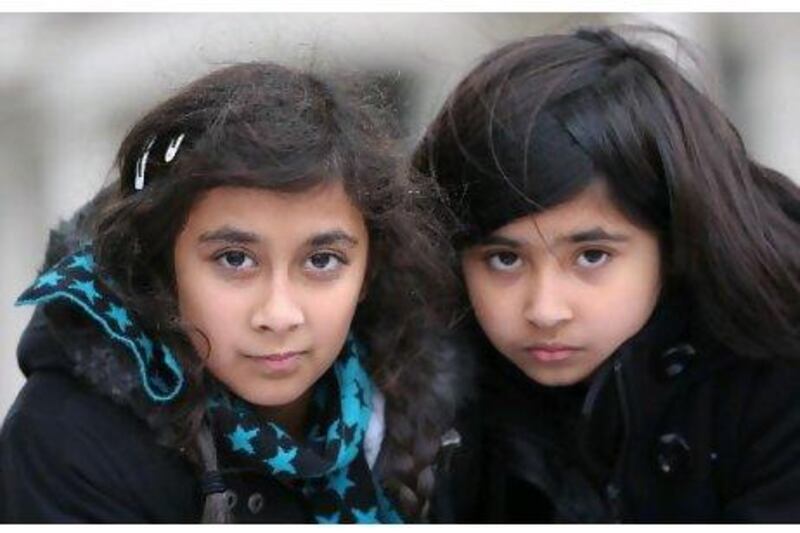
73	279
329	467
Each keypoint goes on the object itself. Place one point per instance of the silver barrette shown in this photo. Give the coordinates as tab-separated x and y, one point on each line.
172	149
141	164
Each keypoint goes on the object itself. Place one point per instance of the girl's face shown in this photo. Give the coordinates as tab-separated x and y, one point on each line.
557	292
272	280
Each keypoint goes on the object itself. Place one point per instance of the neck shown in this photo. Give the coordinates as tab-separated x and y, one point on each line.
292	417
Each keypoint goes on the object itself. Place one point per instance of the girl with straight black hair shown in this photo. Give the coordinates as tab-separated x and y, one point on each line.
634	280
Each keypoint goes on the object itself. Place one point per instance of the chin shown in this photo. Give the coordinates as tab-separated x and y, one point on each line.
558	382
556	379
270	398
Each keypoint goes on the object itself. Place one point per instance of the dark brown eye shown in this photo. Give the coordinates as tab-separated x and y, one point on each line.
235	259
503	260
324	262
593	258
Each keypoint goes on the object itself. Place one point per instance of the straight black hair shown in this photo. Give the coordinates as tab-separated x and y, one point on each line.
540	119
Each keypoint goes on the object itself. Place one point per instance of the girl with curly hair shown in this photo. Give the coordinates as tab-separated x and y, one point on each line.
237	329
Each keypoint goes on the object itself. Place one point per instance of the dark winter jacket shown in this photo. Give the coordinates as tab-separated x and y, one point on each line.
78	445
669	429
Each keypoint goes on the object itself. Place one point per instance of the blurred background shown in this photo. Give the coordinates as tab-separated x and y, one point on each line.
71	85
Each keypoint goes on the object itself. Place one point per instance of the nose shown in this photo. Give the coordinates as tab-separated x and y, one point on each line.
547	306
278	310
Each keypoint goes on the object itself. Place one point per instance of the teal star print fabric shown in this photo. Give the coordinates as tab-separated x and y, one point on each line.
73	280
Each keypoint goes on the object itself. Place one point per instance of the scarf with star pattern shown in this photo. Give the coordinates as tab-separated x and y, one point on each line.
329	466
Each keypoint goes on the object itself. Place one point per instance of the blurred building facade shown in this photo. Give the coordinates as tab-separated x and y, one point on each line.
71	84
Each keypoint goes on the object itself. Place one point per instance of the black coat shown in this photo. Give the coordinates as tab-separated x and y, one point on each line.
669	429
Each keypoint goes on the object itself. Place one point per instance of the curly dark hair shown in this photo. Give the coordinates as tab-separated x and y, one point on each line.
266	126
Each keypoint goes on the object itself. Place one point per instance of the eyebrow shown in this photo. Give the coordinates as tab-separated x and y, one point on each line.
327	238
230	234
597	234
498	240
593	235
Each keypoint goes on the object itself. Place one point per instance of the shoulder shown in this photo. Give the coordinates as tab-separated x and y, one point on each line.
766	391
68	454
747	400
54	403
762	433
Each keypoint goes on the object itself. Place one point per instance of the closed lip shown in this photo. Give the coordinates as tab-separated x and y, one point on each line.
547	353
278	356
552	348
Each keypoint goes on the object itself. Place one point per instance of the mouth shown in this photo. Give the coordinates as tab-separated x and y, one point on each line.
547	353
279	361
279	356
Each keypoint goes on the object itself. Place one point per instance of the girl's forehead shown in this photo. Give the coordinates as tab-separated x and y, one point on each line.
329	196
592	207
268	213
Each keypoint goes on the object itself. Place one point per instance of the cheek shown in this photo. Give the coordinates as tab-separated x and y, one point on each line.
330	321
194	295
216	310
330	310
644	282
478	289
626	305
495	307
187	285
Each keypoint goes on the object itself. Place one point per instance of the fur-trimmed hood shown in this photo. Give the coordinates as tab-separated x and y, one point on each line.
61	338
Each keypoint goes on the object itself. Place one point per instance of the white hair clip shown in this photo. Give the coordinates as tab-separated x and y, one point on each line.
172	149
141	164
